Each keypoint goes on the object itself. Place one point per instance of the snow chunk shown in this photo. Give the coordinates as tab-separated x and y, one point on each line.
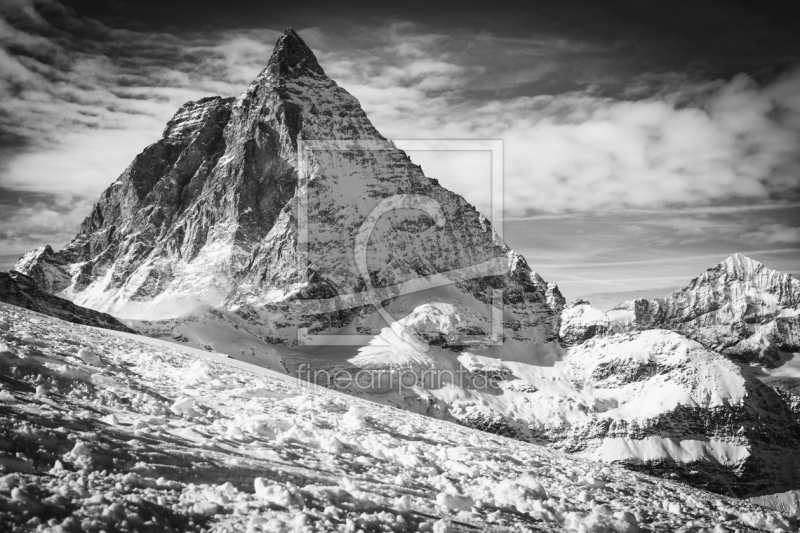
89	357
111	419
403	503
277	494
133	479
355	417
199	372
185	406
80	455
22	496
104	381
442	526
456	502
331	444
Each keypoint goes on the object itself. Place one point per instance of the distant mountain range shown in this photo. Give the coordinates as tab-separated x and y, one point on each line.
239	232
739	308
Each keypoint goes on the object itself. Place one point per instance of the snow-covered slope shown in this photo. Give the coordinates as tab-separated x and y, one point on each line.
739	307
111	431
237	209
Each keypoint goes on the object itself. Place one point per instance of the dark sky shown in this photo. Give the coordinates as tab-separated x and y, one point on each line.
643	141
719	38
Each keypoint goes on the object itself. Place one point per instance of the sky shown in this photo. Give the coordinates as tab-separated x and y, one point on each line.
643	142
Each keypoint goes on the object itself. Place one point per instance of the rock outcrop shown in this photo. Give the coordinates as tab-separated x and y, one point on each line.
20	290
739	308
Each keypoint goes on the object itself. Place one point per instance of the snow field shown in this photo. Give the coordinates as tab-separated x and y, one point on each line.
136	436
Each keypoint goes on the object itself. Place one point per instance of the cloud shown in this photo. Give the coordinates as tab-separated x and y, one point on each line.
577	152
774	234
30	224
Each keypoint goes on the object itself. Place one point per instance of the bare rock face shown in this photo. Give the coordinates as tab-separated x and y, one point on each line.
142	228
20	290
739	307
214	215
580	322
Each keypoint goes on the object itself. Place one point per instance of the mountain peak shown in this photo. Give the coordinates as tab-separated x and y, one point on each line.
739	262
292	57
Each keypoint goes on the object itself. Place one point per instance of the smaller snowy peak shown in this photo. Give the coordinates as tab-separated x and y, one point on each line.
580	322
742	263
433	318
737	267
46	268
739	307
437	321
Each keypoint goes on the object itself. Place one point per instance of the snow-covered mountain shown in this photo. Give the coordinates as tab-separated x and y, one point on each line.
739	307
215	215
239	232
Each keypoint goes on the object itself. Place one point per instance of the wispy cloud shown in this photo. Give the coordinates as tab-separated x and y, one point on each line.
675	259
29	223
685	210
775	233
577	152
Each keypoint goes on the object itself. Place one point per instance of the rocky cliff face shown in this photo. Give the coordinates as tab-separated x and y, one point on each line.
208	217
739	307
20	290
